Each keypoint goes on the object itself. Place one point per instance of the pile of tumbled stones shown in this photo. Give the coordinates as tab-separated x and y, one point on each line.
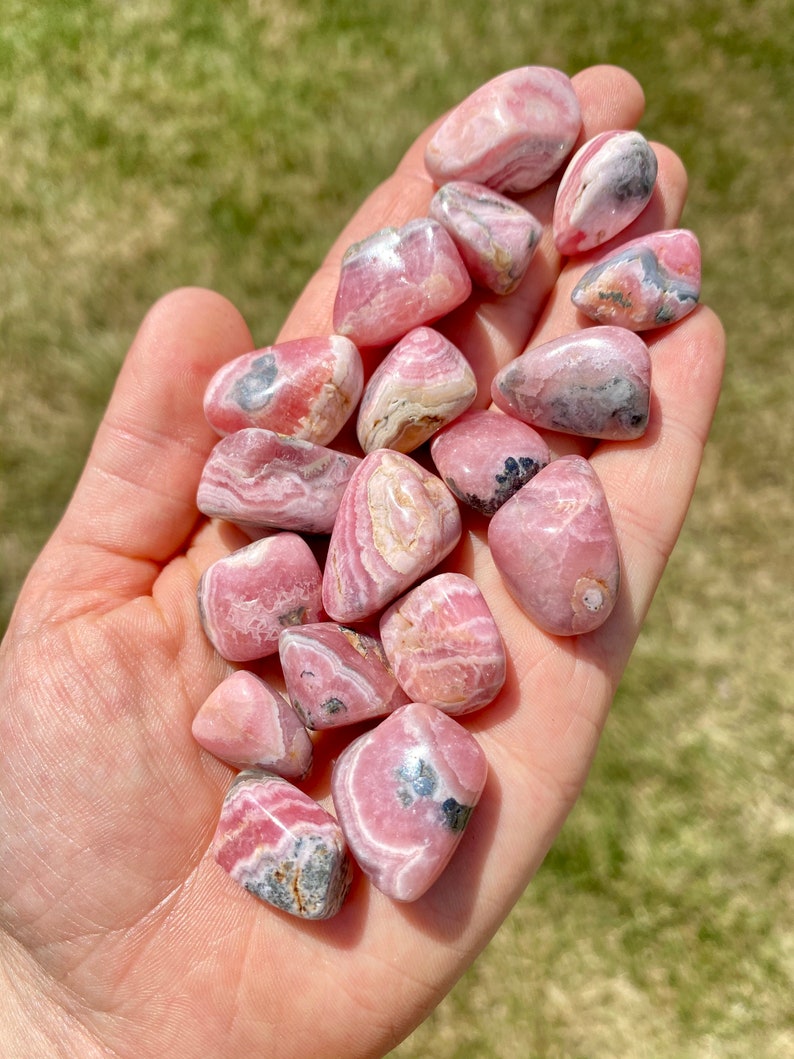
375	636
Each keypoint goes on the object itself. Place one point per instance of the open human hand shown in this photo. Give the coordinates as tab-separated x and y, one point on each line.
121	935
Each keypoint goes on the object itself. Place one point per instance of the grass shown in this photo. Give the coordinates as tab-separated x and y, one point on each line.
146	145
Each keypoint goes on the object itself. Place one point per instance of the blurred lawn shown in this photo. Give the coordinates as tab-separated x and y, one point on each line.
145	145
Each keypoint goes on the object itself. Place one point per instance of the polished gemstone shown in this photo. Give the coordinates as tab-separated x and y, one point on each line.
246	723
398	279
260	478
595	383
512	133
404	793
554	545
484	457
496	237
444	644
248	597
606	186
306	388
423	383
650	282
336	675
280	845
395	523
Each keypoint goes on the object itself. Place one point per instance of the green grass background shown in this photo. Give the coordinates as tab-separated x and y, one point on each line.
149	144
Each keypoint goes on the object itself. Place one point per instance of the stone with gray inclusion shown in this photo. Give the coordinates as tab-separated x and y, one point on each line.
404	793
485	457
554	545
595	383
422	384
282	846
606	186
336	675
260	478
496	236
444	645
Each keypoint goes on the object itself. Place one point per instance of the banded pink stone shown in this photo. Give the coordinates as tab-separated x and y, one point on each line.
260	478
422	384
512	133
594	383
398	279
404	793
554	545
395	523
306	388
444	645
283	847
246	723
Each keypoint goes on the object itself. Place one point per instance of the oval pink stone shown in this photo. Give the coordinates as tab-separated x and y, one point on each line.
248	724
606	186
444	645
306	388
554	545
512	133
422	384
404	793
398	279
395	523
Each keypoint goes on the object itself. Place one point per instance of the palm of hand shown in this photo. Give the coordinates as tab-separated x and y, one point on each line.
115	912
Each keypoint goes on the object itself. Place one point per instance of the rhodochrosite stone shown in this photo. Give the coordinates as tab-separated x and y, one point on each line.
512	133
248	724
423	383
280	845
398	279
336	675
554	545
395	523
594	382
404	792
607	185
248	597
260	478
444	645
650	282
485	457
306	388
495	236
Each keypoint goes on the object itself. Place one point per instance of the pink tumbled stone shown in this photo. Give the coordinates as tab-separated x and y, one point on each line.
595	383
650	282
554	545
248	597
336	675
260	478
248	724
404	793
306	388
512	133
495	236
606	186
398	279
444	645
283	847
395	523
423	383
485	457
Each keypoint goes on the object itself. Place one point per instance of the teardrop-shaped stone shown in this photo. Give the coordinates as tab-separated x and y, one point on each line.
595	383
606	186
554	545
422	384
650	282
395	523
306	388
